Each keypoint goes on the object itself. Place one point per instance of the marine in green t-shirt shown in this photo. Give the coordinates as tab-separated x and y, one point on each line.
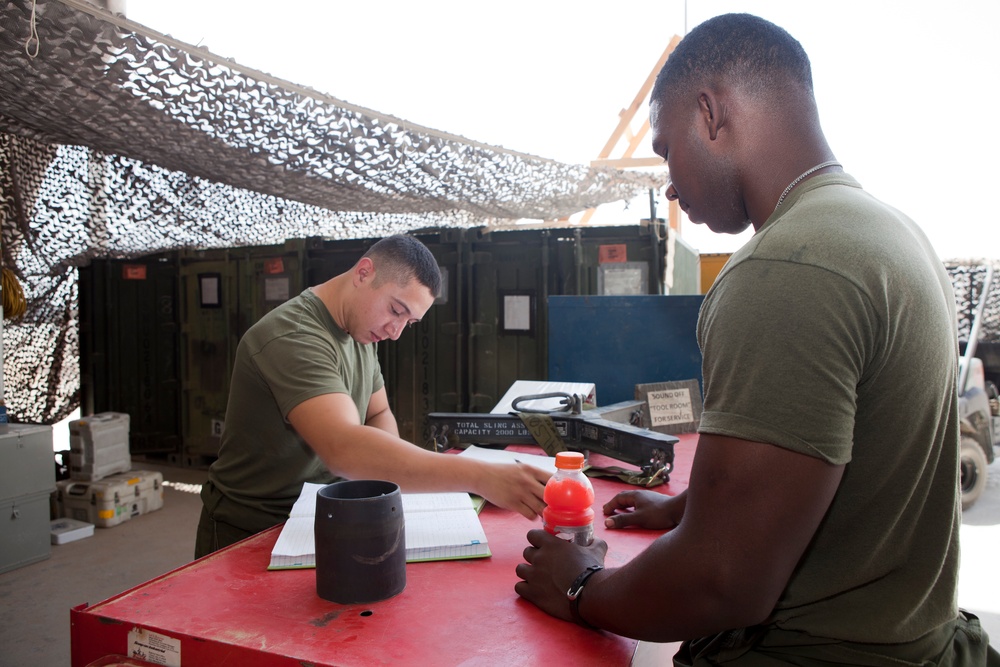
820	525
307	403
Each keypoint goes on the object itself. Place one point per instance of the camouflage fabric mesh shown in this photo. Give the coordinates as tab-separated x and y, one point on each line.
967	277
116	141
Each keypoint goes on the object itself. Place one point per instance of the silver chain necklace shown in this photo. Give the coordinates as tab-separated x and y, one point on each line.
821	165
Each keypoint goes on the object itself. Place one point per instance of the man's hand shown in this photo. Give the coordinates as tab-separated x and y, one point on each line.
644	509
552	565
515	486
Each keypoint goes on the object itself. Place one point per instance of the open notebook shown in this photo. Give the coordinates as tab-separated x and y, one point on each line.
439	526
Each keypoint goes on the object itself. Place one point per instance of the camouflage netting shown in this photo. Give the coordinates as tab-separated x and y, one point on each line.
116	142
967	277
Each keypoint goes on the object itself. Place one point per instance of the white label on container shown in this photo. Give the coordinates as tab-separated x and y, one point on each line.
517	312
670	406
154	648
277	289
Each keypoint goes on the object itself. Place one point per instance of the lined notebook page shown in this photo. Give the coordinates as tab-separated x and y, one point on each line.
442	526
296	545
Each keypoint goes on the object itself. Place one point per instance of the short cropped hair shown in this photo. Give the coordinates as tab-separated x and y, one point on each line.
739	49
401	258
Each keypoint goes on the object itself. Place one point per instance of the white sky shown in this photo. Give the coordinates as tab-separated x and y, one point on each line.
908	91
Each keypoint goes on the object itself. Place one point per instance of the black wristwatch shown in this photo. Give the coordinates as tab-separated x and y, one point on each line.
576	590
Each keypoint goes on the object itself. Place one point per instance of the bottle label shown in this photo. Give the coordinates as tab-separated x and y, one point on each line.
582	535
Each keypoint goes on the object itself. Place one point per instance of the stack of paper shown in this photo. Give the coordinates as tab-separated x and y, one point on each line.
505	456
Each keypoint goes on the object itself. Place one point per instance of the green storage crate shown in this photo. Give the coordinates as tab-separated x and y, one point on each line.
506	324
489	328
130	347
210	308
328	258
613	261
685	268
268	276
423	368
225	292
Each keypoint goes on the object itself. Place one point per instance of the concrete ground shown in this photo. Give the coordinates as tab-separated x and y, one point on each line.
35	600
979	585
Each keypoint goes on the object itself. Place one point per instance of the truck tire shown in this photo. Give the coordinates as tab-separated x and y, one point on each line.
973	469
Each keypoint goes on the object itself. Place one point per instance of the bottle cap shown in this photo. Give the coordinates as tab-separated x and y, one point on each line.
569	461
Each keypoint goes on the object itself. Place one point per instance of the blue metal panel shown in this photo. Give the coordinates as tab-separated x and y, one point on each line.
617	342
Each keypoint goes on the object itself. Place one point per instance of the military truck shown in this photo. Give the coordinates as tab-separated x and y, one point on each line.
978	375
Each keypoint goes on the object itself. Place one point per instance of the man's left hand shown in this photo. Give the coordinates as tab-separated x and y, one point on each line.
552	565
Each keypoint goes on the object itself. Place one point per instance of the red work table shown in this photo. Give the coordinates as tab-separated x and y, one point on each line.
228	609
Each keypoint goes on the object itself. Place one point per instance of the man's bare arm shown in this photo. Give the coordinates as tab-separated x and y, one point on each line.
751	509
379	415
332	427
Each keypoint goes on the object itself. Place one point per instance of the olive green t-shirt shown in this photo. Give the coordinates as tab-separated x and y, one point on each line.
294	353
832	332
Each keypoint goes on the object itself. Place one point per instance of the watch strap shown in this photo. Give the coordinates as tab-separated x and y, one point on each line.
575	591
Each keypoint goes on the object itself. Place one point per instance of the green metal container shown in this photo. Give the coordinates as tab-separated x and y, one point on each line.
224	293
488	329
130	347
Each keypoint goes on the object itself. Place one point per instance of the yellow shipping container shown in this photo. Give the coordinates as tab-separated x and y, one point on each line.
709	266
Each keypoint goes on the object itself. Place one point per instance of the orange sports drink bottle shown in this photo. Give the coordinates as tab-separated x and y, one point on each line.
569	498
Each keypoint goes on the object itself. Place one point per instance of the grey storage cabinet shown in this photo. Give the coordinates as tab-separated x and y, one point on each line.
27	480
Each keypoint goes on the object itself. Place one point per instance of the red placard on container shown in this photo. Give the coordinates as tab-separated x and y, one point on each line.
134	272
607	254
